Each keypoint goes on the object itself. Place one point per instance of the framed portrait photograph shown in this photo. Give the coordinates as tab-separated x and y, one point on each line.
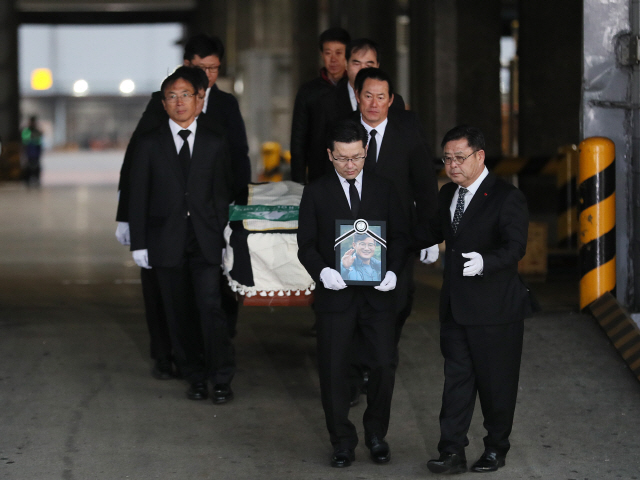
361	251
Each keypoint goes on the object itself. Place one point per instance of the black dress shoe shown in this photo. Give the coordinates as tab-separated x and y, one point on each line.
163	369
342	457
488	462
379	449
222	393
448	463
198	391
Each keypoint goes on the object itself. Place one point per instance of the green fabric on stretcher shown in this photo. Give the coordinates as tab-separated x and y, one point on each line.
277	213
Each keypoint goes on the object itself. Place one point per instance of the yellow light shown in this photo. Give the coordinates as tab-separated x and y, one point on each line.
41	79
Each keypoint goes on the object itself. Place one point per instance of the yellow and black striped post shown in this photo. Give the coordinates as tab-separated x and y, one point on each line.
567	197
597	210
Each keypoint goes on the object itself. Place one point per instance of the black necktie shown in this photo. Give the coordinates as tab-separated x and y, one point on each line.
184	157
354	198
372	151
457	215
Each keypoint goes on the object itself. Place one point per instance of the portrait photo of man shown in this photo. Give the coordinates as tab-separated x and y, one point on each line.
359	262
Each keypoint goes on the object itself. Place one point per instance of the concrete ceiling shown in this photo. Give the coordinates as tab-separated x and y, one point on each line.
60	6
104	11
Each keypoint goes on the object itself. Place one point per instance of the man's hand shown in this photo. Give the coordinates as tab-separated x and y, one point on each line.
429	255
332	279
141	257
474	266
348	258
388	282
122	233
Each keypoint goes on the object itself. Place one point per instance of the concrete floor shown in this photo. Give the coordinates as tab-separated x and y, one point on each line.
77	400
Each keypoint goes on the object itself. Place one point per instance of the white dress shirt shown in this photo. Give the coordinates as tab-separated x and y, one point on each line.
206	100
345	186
379	133
175	128
473	188
352	97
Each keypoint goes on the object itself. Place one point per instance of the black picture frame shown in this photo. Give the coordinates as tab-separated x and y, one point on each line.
367	269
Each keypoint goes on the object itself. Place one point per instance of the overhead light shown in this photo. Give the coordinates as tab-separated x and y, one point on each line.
41	79
127	86
80	87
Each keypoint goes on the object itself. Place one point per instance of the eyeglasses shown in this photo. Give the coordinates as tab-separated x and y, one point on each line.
344	161
185	97
458	159
209	69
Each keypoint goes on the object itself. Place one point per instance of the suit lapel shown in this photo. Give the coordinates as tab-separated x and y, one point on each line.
168	147
336	191
344	101
391	137
477	201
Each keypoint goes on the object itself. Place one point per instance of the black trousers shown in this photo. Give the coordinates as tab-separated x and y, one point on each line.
336	334
204	353
482	360
160	339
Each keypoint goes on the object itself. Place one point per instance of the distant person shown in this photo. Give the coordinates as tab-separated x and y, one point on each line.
483	302
32	145
342	312
305	122
359	263
181	183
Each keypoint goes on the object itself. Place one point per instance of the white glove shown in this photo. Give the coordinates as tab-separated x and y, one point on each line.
388	282
141	257
122	233
429	255
474	266
332	279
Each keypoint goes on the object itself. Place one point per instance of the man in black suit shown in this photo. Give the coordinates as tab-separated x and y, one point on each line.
397	151
348	193
179	198
305	123
483	301
219	112
160	339
341	102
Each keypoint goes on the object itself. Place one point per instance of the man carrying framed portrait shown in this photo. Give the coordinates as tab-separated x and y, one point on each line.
352	240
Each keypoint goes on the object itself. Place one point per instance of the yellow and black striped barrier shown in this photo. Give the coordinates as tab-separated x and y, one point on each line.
597	211
567	196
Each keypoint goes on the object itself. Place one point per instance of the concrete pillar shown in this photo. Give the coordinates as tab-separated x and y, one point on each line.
374	19
212	18
478	69
550	56
305	52
433	46
455	68
9	90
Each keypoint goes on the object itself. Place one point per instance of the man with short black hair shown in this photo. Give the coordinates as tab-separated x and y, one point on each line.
342	311
180	190
396	151
305	123
483	302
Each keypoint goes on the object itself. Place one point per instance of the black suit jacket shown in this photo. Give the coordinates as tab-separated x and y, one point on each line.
222	117
161	196
405	160
495	225
323	202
